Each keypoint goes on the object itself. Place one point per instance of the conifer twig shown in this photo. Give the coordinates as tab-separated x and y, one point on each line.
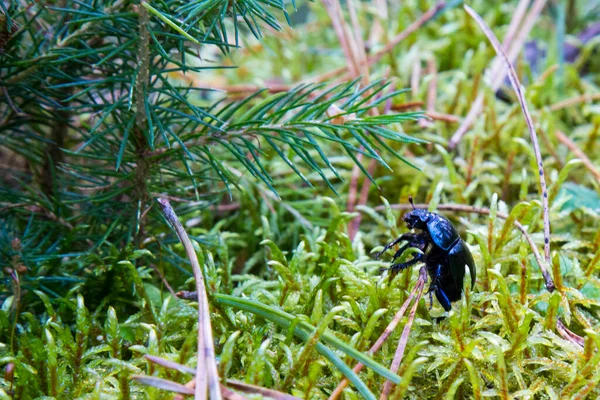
534	141
206	368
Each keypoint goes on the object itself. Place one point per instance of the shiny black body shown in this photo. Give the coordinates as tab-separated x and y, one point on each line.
444	253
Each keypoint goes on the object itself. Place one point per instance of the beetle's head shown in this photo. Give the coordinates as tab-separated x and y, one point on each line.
417	218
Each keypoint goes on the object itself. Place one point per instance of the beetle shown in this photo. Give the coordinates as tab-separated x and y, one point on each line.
444	253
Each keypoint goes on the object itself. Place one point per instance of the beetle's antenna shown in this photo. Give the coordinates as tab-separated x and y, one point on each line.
410	200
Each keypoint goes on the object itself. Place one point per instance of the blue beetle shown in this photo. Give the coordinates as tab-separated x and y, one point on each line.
445	254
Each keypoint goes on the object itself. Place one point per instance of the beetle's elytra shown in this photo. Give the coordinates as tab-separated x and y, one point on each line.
445	254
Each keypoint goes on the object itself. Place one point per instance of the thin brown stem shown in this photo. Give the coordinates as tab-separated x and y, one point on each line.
362	199
387	386
573	101
564	139
534	140
340	30
384	336
426	17
497	70
206	368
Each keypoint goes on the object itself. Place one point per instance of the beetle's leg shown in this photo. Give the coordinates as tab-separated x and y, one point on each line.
401	250
430	298
401	266
443	299
410	237
439	293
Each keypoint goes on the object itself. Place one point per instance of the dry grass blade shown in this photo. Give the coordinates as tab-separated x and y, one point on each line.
564	139
588	97
252	389
225	391
333	9
386	333
428	15
237	385
568	335
497	70
229	394
206	370
536	147
387	386
163	362
163	384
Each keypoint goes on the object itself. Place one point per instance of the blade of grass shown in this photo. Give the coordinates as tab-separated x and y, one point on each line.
303	330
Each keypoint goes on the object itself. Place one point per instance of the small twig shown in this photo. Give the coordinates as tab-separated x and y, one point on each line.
428	15
534	141
163	279
241	386
384	336
432	88
408	105
431	94
515	22
564	139
423	19
568	335
438	116
588	97
253	389
356	32
206	368
354	224
387	386
340	30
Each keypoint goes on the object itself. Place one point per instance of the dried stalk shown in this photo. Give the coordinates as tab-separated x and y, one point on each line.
388	47
534	141
206	368
497	70
568	335
386	333
241	386
564	139
339	26
358	40
588	97
387	386
428	15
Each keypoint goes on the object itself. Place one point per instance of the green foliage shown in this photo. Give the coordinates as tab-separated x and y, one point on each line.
100	125
103	114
